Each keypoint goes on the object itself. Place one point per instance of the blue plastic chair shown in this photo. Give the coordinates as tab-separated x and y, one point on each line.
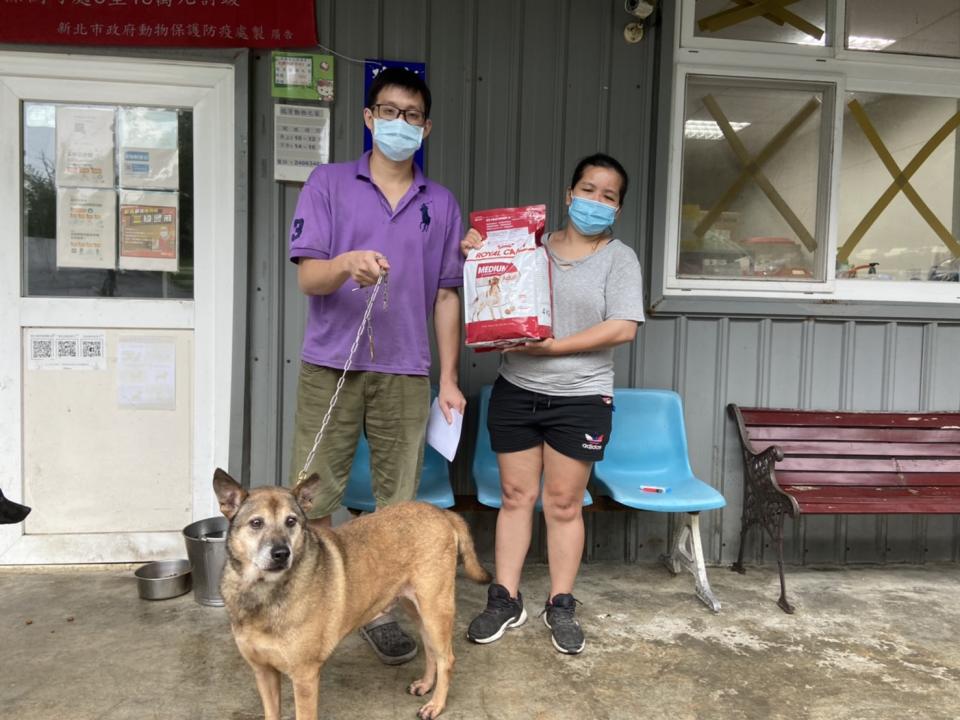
434	480
486	472
646	467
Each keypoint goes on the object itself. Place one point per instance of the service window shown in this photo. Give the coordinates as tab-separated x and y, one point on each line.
804	165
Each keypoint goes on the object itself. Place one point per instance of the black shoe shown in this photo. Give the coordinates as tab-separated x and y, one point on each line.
558	615
502	612
391	644
11	512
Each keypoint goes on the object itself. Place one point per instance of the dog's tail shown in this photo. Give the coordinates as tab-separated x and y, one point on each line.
471	565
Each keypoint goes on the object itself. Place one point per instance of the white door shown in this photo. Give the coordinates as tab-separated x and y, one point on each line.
117	193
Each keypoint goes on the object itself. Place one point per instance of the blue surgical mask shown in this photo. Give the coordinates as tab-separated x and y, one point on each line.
591	217
397	139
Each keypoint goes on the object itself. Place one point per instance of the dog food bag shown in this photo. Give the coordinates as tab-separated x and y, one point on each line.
506	281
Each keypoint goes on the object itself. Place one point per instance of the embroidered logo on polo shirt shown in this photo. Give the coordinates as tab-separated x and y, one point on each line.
424	217
297	229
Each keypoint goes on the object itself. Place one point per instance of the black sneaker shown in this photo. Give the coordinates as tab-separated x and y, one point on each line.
558	615
502	612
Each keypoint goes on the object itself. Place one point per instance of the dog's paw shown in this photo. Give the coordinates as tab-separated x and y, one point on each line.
420	687
429	711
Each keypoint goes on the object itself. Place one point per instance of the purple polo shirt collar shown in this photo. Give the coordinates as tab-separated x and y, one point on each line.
419	180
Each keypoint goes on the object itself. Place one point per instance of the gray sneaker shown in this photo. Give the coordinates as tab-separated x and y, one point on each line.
558	615
502	612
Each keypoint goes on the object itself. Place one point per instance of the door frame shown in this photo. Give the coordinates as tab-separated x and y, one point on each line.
216	314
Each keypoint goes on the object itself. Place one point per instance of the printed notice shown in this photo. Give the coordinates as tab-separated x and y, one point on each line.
302	76
86	228
147	373
85	147
148	231
301	140
65	350
148	149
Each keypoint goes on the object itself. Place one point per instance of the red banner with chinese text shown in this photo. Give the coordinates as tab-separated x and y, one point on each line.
171	23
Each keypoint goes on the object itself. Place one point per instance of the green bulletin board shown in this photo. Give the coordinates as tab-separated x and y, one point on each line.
302	76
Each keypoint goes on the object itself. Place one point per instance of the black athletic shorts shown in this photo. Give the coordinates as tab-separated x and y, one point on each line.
578	427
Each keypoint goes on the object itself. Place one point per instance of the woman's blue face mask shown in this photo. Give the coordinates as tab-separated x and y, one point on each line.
590	217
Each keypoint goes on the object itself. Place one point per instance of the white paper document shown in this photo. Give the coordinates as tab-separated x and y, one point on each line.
442	436
147	373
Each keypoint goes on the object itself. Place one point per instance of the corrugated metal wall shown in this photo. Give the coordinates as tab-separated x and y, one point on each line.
521	91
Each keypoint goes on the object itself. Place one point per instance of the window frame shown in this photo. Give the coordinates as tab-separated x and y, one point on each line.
825	221
847	71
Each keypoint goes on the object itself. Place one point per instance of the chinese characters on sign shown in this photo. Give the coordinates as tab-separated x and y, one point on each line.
303	76
85	147
301	140
148	231
197	23
147	373
148	156
143	144
86	228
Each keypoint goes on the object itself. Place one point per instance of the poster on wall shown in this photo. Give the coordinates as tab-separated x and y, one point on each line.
147	373
302	76
148	156
85	149
167	23
372	68
86	228
301	140
49	349
148	231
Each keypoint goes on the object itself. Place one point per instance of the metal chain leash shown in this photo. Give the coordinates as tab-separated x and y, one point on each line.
364	324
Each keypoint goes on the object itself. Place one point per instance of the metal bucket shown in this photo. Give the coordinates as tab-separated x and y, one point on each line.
207	549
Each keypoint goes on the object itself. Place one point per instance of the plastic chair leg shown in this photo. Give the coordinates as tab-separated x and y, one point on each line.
686	553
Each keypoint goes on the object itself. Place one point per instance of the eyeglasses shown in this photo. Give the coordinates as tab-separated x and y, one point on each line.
389	112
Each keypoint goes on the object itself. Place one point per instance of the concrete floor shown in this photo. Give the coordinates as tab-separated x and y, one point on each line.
865	643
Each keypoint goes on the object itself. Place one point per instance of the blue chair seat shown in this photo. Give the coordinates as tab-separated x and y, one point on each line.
486	472
639	490
647	453
434	480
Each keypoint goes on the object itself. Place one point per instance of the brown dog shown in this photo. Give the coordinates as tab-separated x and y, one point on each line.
294	589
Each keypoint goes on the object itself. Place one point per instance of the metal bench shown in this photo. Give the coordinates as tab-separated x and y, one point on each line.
646	467
815	462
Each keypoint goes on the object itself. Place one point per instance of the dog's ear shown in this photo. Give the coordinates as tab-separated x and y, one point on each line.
229	493
306	490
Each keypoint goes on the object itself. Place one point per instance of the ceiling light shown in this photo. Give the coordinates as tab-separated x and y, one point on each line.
708	129
855	42
875	44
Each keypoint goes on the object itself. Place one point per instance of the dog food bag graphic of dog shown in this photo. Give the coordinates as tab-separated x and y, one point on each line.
508	299
294	589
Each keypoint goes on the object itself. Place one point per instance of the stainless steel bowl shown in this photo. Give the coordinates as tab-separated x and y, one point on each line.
164	579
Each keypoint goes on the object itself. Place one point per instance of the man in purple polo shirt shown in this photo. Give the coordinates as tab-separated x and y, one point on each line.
353	222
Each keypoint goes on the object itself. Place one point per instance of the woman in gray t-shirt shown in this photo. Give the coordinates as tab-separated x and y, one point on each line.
551	408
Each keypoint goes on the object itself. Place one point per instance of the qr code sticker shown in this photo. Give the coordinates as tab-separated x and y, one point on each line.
42	349
92	348
66	348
